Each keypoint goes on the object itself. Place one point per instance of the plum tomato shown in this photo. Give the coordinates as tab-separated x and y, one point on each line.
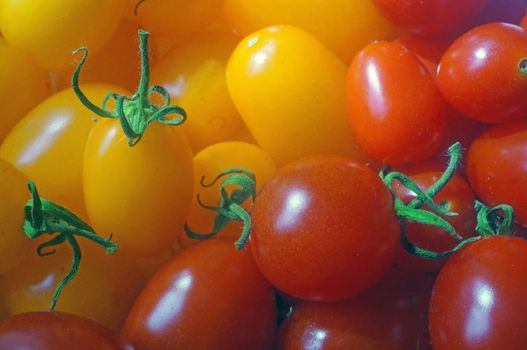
324	228
211	296
395	110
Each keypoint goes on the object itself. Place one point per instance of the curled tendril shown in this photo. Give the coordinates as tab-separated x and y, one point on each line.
135	113
493	221
230	206
43	216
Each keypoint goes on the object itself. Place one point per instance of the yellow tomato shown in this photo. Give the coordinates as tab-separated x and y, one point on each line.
344	26
194	75
289	90
48	145
15	245
209	163
49	30
22	86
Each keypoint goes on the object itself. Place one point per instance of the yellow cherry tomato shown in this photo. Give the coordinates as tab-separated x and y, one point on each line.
194	75
174	18
344	26
14	244
289	90
209	163
49	30
48	145
22	86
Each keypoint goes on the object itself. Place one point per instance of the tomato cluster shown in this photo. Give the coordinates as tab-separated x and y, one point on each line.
263	174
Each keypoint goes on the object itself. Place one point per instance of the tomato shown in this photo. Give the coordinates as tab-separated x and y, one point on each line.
193	72
22	86
47	145
495	167
15	245
481	62
431	17
458	194
57	331
208	164
395	110
428	50
391	316
343	26
50	30
273	85
324	229
211	296
103	289
478	300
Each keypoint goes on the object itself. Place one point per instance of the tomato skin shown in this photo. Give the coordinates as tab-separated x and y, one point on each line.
478	300
394	108
211	296
496	167
324	229
479	74
57	331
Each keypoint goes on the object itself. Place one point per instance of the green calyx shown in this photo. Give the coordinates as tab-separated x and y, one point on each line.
43	216
230	206
135	113
523	65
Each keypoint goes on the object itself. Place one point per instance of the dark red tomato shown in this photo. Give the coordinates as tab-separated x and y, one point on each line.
430	17
480	76
428	50
211	296
391	316
458	194
496	167
395	110
57	331
478	300
324	228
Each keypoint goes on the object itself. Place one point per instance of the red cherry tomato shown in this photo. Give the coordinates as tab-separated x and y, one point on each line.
56	331
211	296
395	110
481	75
324	228
478	300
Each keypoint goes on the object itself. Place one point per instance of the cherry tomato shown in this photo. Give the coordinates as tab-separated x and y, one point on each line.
496	167
273	86
193	72
49	30
480	73
344	26
478	299
395	110
57	331
211	296
428	50
47	145
324	229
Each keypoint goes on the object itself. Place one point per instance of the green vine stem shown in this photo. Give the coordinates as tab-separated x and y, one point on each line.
135	113
230	206
494	221
43	216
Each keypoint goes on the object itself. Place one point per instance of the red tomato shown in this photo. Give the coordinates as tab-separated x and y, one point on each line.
496	167
211	296
324	228
481	75
57	331
395	110
478	300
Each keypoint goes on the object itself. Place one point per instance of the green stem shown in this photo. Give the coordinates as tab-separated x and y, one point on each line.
494	221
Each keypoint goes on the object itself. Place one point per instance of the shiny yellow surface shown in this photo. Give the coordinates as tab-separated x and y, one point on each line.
49	30
14	245
289	90
344	26
48	145
22	86
141	195
194	75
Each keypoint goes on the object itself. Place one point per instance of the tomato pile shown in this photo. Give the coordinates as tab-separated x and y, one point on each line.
263	174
